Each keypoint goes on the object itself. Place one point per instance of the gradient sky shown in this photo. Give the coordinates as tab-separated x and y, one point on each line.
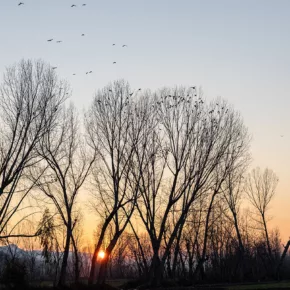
239	50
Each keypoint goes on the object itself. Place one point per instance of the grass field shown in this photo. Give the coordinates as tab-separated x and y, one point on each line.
117	283
281	285
269	285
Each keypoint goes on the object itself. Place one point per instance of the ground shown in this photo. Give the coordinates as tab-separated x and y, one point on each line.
117	285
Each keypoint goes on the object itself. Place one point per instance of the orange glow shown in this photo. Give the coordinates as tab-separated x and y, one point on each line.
101	255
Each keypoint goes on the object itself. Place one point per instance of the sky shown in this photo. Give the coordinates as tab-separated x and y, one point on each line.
239	50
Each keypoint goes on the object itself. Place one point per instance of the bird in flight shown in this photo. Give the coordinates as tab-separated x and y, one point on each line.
83	34
55	67
84	4
74	5
139	90
114	62
20	3
74	74
50	39
90	72
124	45
192	88
59	41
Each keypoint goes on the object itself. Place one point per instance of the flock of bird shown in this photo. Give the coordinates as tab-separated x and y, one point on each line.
60	41
114	44
114	62
124	45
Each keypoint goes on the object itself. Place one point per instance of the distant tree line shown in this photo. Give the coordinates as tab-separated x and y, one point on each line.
166	172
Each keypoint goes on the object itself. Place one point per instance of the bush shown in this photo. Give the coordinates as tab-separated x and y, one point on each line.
14	274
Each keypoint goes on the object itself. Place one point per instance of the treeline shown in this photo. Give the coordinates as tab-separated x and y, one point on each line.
166	173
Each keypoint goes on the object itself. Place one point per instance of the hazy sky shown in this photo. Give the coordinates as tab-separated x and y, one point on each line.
239	50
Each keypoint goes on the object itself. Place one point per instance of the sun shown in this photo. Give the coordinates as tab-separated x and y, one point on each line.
101	254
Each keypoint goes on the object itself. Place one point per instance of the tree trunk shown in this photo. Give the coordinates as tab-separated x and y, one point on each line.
267	238
104	264
168	266
76	264
154	272
97	249
62	276
272	265
146	268
240	263
176	252
199	267
281	260
182	264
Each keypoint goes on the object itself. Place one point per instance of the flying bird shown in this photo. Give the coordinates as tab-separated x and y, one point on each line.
59	41
90	72
124	45
74	5
83	34
55	67
20	3
114	62
192	88
84	4
74	74
50	39
139	90
114	44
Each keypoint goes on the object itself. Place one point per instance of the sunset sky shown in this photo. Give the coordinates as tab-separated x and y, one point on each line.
239	50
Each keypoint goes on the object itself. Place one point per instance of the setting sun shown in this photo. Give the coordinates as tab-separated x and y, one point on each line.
101	255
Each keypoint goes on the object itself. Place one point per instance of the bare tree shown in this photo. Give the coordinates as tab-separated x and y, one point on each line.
114	131
191	234
260	188
188	155
30	97
232	192
67	164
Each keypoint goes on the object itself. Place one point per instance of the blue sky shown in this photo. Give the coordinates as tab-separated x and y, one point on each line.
239	50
